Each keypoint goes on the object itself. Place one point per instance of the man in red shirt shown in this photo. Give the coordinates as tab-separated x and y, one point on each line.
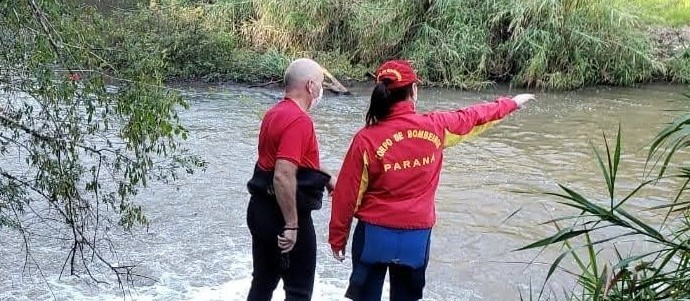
388	181
286	186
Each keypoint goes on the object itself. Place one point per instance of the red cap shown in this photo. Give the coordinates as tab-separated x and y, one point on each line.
399	72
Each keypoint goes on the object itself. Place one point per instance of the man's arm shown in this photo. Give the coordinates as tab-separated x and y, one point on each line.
288	157
285	185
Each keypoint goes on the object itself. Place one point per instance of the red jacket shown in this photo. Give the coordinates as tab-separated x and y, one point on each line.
390	173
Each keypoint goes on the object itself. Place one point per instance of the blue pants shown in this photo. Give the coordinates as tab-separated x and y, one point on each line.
366	280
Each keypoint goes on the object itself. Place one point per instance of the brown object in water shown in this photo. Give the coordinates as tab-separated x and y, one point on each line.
335	86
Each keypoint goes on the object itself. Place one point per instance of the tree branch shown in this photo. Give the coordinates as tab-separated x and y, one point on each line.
29	255
42	20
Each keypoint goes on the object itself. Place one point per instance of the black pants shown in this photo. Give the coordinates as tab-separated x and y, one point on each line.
265	223
366	280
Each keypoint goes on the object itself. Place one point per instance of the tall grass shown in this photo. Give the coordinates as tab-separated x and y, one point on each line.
668	12
679	66
291	25
469	44
380	28
660	273
453	45
571	43
228	15
189	44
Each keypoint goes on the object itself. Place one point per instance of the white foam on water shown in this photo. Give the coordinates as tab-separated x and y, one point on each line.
236	290
175	286
170	288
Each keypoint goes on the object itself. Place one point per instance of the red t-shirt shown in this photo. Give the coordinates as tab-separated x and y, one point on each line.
287	133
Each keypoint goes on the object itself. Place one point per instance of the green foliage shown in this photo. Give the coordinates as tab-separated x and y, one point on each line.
255	66
660	273
381	28
667	12
468	44
185	43
679	66
291	25
454	45
182	45
78	136
339	64
569	44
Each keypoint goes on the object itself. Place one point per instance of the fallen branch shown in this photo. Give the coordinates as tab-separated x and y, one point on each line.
335	86
336	90
266	84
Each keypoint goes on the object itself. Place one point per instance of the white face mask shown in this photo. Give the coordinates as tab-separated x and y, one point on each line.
315	101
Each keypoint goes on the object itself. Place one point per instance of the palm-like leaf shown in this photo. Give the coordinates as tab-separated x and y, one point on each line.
660	274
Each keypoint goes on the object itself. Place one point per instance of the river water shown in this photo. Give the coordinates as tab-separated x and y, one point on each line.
197	246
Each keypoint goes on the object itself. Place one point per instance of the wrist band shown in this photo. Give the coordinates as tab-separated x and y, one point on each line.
291	228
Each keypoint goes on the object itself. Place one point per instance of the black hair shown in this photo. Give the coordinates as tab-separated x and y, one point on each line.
382	99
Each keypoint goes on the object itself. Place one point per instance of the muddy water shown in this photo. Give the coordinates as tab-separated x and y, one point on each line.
197	246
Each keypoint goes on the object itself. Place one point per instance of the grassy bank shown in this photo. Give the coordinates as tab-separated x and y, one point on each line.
467	44
668	12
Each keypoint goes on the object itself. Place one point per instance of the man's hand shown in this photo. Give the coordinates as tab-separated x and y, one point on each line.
330	186
521	99
339	254
287	240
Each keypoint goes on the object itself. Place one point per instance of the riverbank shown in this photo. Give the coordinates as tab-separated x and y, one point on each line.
462	44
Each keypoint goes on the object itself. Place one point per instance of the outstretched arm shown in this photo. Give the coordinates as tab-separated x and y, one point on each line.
468	122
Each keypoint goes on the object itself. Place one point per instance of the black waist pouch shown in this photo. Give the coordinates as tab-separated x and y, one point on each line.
311	184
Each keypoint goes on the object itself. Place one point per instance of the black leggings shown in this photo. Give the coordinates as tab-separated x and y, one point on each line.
265	223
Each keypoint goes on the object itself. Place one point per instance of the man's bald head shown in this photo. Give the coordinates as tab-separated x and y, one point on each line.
300	71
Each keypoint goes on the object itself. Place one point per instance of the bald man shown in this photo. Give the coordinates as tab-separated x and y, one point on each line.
286	186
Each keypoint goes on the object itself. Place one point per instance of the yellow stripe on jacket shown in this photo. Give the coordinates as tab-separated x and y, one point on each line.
363	181
452	139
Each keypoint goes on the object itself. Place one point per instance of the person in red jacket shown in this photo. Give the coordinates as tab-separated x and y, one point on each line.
388	181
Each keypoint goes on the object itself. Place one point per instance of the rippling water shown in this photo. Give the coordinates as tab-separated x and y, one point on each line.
198	246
